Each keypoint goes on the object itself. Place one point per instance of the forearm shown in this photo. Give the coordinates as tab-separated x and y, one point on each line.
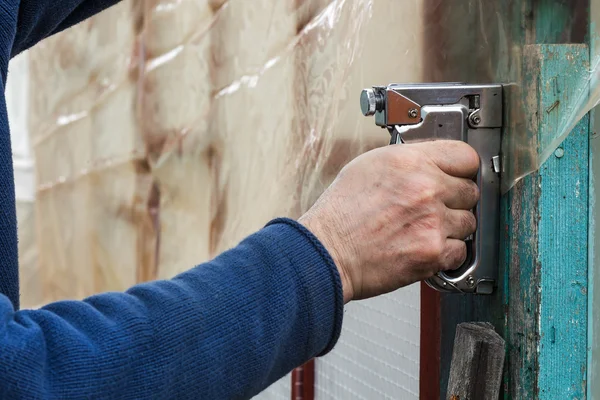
39	19
226	329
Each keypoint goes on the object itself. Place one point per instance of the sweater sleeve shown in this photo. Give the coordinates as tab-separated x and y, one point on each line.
226	329
38	19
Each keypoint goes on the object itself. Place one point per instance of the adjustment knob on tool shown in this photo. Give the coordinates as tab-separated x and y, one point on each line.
370	102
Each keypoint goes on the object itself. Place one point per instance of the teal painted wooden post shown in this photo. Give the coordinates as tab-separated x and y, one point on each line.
540	304
563	230
548	237
593	369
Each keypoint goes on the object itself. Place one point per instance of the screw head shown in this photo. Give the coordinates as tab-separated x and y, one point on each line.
470	281
368	102
559	153
413	113
475	119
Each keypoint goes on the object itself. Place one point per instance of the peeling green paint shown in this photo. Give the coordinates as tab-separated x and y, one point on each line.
561	263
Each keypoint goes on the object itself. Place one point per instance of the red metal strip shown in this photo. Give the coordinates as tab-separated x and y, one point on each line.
303	382
430	348
431	325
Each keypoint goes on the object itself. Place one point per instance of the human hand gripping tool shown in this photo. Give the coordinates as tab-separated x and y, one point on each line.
453	111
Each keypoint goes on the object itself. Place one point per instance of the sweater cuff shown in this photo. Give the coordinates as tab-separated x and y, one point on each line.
321	280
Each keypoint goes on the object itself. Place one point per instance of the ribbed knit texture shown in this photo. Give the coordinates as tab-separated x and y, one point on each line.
225	329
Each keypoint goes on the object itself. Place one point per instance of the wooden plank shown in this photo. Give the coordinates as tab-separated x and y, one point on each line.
456	309
93	206
175	99
563	21
508	26
547	247
520	250
593	362
477	363
563	224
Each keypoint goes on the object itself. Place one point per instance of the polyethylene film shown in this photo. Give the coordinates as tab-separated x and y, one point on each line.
163	132
156	126
495	42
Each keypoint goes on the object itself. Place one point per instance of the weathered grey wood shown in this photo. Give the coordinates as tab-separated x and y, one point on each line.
477	363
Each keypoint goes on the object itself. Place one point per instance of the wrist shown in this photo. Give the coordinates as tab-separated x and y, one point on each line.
320	232
346	284
318	285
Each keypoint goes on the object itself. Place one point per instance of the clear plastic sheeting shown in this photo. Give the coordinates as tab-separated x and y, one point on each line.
162	122
165	131
158	126
491	42
91	202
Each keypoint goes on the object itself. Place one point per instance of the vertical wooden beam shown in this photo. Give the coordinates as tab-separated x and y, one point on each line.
593	367
548	243
563	229
543	210
547	218
593	362
561	21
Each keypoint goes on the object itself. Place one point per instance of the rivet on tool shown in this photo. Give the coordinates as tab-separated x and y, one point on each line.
413	113
470	281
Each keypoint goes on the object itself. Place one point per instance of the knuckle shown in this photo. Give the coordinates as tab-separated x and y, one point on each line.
467	150
456	257
433	251
402	157
472	191
476	192
467	155
431	224
469	222
428	190
469	192
412	153
460	254
428	194
472	156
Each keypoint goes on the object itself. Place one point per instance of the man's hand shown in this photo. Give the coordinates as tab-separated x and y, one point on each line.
397	215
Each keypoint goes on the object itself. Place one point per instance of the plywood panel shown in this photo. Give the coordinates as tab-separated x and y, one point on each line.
247	34
88	149
176	96
198	122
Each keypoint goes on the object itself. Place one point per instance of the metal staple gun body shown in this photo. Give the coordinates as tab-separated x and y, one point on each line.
453	111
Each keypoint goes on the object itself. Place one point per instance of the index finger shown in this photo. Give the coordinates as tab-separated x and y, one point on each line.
454	157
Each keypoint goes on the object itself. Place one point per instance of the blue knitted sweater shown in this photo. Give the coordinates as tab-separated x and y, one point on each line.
225	329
